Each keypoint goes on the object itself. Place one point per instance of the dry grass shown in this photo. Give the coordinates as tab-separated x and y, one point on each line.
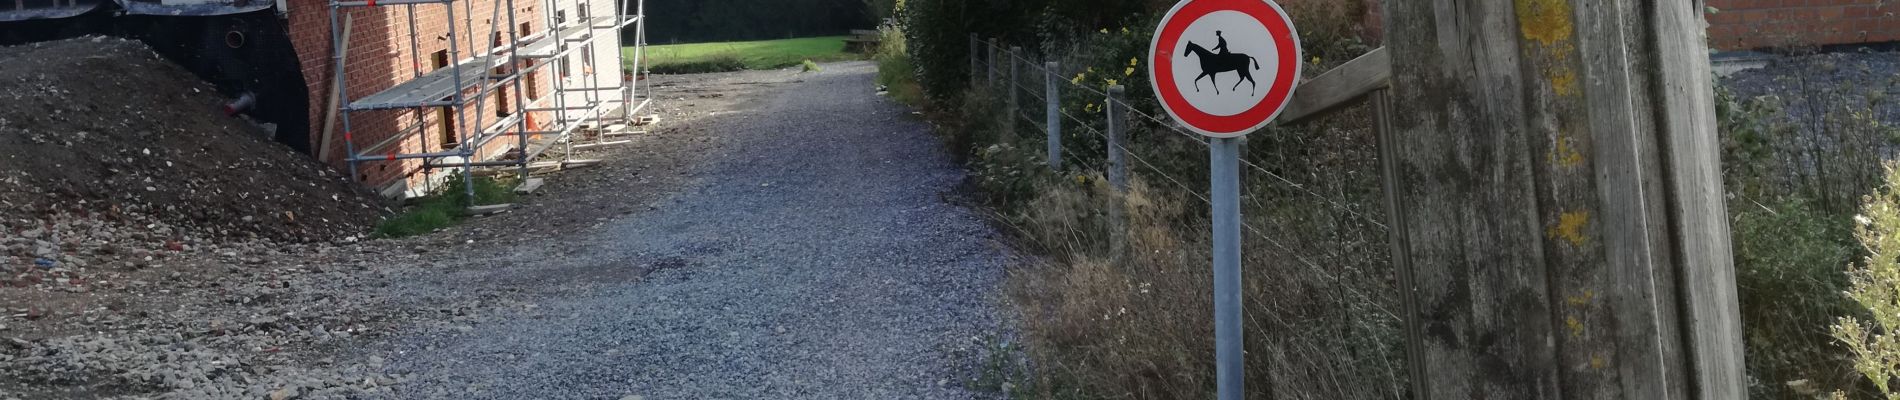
1137	323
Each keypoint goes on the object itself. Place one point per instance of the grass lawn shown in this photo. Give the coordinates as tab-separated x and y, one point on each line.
731	56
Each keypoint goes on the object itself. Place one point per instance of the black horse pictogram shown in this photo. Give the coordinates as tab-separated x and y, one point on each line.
1215	63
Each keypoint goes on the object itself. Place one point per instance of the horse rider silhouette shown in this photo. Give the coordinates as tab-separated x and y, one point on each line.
1213	63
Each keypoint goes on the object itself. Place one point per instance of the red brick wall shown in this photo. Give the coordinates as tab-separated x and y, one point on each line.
1750	24
1753	24
380	57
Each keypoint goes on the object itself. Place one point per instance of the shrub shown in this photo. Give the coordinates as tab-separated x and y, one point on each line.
720	63
1875	345
809	66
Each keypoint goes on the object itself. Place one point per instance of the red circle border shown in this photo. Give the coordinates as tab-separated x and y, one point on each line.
1161	57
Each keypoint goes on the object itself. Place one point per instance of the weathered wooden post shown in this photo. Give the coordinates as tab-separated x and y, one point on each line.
1117	156
974	54
991	48
1558	214
1052	113
1012	90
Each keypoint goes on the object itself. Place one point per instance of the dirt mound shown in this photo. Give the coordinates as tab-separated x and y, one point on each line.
103	129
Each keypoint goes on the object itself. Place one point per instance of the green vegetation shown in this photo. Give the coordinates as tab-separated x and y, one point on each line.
1876	288
809	66
444	207
1792	184
1118	305
695	21
735	56
895	72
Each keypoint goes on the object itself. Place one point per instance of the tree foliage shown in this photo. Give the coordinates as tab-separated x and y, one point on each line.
693	21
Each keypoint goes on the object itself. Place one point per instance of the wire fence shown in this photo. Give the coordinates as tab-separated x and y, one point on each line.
1346	263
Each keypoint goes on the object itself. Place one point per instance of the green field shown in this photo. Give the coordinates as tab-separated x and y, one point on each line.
732	56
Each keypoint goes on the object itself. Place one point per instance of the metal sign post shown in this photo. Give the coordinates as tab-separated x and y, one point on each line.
1224	160
1248	54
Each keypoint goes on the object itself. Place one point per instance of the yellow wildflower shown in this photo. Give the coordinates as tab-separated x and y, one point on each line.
1104	30
1081	179
1315	60
1078	78
1111	82
1124	30
1129	72
1090	108
1134	61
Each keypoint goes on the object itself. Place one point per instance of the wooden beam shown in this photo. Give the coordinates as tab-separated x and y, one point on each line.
1562	228
336	93
1340	86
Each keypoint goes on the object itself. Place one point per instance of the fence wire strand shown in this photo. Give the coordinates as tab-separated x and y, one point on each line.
1173	127
1168	125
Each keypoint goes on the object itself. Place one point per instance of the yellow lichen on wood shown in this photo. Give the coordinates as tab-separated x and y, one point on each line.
1570	228
1566	155
1563	80
1582	299
1545	21
1575	325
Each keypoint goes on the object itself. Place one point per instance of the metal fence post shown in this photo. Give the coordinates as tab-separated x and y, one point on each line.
1117	164
1052	114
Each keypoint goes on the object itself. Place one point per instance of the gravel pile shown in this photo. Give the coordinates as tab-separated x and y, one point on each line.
102	128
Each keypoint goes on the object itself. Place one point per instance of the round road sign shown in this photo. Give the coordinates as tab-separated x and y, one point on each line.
1225	67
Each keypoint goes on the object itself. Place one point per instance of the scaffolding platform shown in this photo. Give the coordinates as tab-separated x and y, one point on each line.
550	47
574	101
434	89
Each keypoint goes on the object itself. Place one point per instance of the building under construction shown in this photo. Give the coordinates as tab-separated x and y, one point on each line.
403	94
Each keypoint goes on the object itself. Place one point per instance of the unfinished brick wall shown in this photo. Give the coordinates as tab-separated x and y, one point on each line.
381	56
1752	24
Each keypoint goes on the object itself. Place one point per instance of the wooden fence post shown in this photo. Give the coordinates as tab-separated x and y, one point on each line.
1557	201
974	59
991	48
1052	113
1013	90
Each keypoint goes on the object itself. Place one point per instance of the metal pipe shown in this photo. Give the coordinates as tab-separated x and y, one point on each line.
342	89
373	3
521	104
1224	160
461	112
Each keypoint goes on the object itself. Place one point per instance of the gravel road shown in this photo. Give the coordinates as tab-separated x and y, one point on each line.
813	256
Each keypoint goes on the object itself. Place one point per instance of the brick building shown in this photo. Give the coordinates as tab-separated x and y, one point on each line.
1763	24
393	49
1755	24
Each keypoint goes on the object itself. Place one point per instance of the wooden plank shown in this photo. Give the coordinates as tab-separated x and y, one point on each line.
1462	164
336	93
1339	87
1698	218
488	209
530	185
1564	232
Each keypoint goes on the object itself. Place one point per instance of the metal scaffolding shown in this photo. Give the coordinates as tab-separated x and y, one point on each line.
568	28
